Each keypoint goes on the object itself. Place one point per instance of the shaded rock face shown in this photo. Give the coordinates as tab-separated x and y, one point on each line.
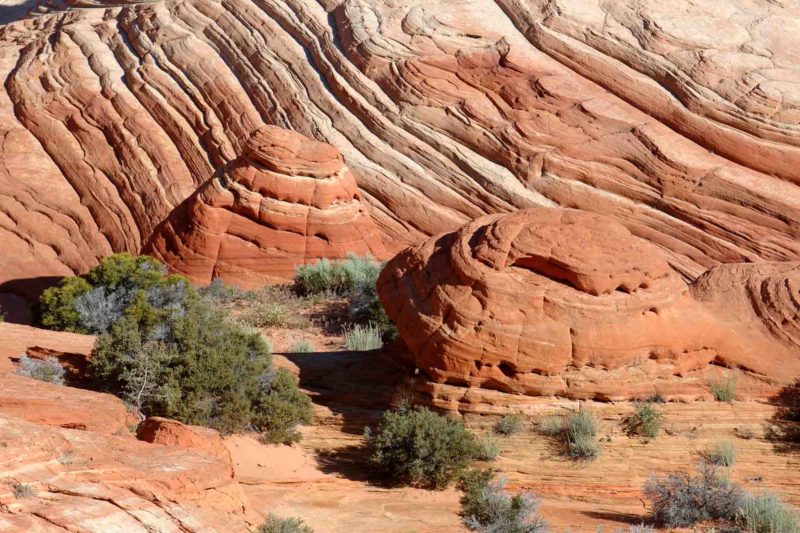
559	301
286	201
678	119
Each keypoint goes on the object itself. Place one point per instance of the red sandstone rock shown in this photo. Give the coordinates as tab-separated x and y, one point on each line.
554	301
679	119
166	432
287	200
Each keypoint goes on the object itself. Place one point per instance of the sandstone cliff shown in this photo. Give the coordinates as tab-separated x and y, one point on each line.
678	119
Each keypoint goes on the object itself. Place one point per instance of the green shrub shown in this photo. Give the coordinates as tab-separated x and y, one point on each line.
722	453
282	408
48	369
302	347
488	448
508	424
645	421
341	278
766	513
682	500
421	448
57	305
275	524
354	277
170	352
362	338
723	388
219	292
581	431
487	508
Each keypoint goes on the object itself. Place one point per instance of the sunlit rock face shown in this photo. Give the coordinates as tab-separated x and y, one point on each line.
677	119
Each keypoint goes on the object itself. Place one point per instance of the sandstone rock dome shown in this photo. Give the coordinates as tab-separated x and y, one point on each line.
287	200
560	301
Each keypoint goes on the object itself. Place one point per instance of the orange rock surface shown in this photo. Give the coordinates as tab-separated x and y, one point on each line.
286	201
557	301
678	119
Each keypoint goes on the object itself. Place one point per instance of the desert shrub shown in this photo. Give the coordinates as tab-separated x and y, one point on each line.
281	408
508	424
265	315
302	347
645	421
420	447
723	388
169	352
580	428
342	277
47	369
488	448
275	524
23	490
552	425
767	513
217	291
361	338
722	453
487	508
366	308
56	308
641	528
120	284
682	500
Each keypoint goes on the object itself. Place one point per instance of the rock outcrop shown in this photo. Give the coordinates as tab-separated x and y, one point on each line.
69	461
678	119
559	301
287	200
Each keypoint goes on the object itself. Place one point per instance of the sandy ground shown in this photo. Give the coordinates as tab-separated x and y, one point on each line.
323	481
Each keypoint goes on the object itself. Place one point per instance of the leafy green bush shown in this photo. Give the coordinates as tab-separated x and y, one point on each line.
48	369
722	453
275	524
508	424
421	448
723	388
281	408
766	513
57	305
682	500
487	508
362	338
172	353
645	421
120	284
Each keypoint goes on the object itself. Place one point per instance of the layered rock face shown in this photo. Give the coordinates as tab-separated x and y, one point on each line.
287	200
678	119
559	301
